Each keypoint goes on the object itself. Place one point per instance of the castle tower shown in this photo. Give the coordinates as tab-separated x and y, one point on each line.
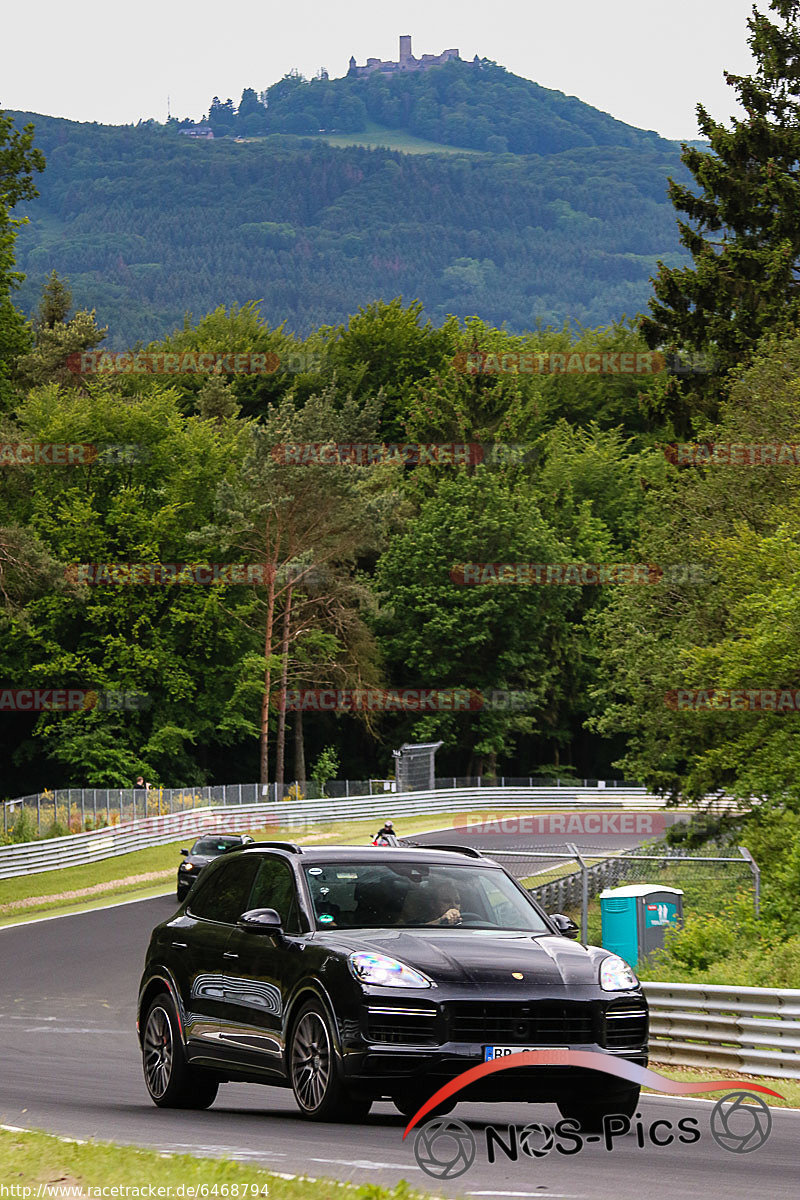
405	49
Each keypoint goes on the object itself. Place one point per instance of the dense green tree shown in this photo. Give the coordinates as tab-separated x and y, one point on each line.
178	645
19	159
385	349
739	221
57	340
724	616
295	518
503	638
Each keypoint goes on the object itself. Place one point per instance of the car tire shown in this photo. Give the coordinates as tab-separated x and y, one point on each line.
408	1104
170	1080
315	1070
590	1114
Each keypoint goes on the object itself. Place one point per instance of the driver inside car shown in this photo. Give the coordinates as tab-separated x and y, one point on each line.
438	904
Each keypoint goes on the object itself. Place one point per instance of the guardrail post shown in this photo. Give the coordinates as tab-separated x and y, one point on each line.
38	812
83	810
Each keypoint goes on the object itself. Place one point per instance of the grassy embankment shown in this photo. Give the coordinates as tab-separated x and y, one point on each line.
150	872
377	136
31	1159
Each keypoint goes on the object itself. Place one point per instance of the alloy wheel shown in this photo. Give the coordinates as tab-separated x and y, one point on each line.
158	1052
311	1061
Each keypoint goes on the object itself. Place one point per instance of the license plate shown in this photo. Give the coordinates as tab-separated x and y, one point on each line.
492	1052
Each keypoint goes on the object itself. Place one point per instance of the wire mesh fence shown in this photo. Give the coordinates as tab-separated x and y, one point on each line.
52	813
708	882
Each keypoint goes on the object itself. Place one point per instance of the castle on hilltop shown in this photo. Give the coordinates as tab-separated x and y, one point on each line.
407	61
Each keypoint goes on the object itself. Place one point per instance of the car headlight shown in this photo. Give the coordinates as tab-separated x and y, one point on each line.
383	971
616	975
187	867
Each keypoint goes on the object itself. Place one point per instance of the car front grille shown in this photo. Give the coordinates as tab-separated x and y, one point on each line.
626	1025
546	1023
401	1026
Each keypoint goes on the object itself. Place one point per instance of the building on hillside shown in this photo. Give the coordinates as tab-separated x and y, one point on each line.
199	131
407	61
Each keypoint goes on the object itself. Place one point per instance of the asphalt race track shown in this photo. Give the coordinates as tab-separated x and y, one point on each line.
70	1065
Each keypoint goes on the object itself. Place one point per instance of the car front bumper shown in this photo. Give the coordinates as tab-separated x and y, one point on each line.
400	1045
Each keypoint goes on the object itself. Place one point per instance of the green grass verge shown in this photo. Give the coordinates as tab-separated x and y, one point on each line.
28	1159
788	1088
148	872
549	874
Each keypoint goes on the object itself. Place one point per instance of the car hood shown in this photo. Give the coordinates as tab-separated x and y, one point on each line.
480	956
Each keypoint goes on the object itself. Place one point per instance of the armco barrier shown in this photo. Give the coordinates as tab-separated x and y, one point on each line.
81	848
754	1030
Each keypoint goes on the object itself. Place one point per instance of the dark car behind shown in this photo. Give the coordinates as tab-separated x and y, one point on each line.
207	847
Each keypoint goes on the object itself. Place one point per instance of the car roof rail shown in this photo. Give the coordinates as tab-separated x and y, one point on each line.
291	847
470	851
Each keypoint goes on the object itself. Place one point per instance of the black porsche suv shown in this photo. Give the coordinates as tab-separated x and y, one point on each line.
352	975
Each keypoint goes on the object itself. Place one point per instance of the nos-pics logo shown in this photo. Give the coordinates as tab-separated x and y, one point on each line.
446	1148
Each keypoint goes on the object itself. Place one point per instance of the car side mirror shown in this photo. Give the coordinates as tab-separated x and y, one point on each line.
184	852
260	920
565	925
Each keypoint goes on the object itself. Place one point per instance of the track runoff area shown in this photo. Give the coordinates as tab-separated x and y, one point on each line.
71	1066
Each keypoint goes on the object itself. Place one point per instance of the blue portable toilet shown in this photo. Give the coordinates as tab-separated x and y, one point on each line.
636	917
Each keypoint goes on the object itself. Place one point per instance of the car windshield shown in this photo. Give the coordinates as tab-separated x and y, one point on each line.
214	845
362	895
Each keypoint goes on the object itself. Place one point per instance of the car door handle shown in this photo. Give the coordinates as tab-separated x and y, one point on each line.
230	954
180	945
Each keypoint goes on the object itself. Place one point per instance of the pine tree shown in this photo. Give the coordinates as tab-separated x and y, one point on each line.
55	303
216	400
743	227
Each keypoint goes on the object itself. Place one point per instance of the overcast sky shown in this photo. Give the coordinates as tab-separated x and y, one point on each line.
647	62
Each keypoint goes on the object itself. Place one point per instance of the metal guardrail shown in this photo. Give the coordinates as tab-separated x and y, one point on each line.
81	848
753	1030
90	807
